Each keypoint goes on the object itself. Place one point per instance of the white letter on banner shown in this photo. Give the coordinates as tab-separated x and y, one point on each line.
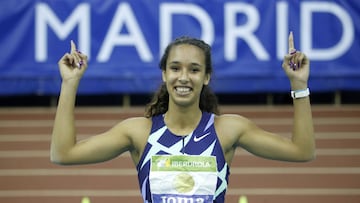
169	9
124	16
245	31
307	9
45	17
282	29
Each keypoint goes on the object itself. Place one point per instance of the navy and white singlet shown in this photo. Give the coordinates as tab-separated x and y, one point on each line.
202	141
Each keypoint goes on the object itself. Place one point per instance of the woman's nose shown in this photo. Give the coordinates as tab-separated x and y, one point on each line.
183	78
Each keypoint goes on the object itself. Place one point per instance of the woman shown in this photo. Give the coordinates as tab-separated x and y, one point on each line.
183	148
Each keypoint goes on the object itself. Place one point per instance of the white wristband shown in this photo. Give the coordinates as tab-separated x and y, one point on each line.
300	93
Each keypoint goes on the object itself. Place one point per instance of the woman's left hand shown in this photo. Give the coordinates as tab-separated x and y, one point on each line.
296	66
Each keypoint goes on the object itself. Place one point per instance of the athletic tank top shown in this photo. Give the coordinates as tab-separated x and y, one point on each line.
202	141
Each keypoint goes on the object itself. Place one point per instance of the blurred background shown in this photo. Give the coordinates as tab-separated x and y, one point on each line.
125	40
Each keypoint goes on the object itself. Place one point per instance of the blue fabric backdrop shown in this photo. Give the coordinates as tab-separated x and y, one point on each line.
125	39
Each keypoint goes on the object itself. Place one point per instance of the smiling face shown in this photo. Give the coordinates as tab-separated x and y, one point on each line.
185	74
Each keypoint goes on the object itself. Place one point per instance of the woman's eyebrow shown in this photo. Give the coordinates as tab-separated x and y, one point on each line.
174	62
178	62
196	64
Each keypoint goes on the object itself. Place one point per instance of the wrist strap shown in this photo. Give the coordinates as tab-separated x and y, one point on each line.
296	94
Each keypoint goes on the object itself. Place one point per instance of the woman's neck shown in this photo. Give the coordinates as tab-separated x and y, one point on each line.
182	121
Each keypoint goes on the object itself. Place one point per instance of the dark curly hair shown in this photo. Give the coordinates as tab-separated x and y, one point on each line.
208	100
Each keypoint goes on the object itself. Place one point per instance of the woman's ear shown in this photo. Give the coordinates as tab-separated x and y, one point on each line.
207	79
163	74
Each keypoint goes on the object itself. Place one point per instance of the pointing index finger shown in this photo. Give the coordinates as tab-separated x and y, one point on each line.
73	47
291	43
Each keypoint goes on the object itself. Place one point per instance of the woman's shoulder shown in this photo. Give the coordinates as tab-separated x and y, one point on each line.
137	123
230	118
234	123
133	126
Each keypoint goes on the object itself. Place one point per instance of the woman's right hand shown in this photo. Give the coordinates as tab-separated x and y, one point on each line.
72	65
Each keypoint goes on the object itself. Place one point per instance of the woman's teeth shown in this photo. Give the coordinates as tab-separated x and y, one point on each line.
182	90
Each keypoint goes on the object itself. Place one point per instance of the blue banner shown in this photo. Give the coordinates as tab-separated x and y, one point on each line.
125	39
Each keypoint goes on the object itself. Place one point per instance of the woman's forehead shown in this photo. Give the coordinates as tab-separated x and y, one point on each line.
186	53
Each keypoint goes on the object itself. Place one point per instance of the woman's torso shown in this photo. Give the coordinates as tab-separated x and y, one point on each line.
202	141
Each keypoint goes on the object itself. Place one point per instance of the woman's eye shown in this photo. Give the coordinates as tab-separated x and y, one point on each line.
174	68
195	70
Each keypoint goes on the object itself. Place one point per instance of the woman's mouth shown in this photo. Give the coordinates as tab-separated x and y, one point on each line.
183	90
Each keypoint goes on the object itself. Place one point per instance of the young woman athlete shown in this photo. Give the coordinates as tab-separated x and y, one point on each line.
182	147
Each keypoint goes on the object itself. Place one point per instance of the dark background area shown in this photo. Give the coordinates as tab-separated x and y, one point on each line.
341	97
